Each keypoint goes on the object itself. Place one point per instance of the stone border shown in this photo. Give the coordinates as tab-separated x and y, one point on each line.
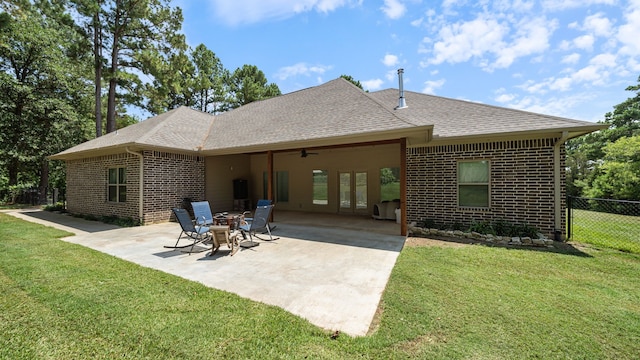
540	241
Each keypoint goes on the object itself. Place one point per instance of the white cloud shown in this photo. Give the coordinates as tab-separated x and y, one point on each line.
505	98
486	37
394	9
461	41
584	42
532	37
372	85
598	25
570	4
251	11
430	86
629	33
390	60
301	69
596	73
571	59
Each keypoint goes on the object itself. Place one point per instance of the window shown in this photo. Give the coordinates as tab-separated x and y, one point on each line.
389	184
473	183
281	188
320	187
117	185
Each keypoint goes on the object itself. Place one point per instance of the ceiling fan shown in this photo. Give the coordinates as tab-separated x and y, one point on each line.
304	153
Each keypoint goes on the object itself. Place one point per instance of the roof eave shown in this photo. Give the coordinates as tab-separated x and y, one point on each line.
121	148
416	134
573	132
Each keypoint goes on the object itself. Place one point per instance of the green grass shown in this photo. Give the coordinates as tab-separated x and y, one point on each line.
64	301
614	231
390	191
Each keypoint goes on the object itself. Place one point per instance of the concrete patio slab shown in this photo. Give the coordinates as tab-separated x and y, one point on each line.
333	277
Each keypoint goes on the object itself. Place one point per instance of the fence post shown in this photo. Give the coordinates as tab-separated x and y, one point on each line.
569	216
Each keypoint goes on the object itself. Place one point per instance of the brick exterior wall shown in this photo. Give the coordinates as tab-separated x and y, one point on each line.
87	186
168	178
521	183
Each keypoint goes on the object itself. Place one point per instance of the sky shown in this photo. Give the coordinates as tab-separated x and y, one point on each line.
569	58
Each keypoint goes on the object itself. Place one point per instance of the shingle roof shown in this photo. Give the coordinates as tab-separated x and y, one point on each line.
182	129
336	108
335	111
458	118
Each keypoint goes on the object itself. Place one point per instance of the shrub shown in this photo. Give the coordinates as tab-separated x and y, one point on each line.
59	206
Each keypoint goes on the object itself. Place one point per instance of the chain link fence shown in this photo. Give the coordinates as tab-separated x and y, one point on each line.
31	196
602	222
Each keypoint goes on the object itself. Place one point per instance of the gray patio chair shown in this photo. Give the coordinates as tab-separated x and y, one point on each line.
260	221
248	216
202	213
197	233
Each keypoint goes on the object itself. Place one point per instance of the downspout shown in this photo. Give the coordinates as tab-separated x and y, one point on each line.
557	185
140	184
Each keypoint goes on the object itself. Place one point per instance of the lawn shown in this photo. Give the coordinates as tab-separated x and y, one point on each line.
64	301
614	231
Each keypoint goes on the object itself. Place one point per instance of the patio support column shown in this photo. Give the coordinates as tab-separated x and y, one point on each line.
403	187
557	185
140	184
270	180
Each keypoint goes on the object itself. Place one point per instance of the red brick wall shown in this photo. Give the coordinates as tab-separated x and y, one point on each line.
522	183
168	178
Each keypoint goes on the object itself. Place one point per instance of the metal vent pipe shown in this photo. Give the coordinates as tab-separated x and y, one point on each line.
401	101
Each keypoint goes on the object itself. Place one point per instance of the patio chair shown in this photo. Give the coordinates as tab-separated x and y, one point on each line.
259	221
221	234
197	233
248	216
202	213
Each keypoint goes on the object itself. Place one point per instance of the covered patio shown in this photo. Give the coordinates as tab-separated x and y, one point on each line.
332	273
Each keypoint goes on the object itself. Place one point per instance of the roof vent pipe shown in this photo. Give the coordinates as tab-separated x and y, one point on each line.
401	102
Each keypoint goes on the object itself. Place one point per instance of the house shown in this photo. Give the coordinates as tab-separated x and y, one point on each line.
334	148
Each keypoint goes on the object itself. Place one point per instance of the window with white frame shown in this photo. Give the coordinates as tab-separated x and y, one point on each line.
473	183
117	184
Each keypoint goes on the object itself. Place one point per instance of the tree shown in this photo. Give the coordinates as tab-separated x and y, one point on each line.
248	84
586	155
350	79
619	176
42	90
210	80
133	34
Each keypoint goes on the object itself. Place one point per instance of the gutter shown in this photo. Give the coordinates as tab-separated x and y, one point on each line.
140	184
557	186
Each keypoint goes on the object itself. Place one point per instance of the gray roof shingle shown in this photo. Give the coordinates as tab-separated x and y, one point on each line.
334	110
458	118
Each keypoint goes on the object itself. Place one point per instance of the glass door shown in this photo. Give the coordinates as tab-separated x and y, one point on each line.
353	191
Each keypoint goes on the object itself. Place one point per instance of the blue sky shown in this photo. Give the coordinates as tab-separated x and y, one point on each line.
570	58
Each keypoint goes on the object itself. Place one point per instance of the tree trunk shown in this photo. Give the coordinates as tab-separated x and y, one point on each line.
44	182
97	51
113	76
12	170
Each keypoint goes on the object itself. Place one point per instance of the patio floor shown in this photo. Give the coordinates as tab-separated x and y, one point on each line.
328	269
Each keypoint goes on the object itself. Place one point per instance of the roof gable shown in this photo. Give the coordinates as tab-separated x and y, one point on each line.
179	129
334	109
